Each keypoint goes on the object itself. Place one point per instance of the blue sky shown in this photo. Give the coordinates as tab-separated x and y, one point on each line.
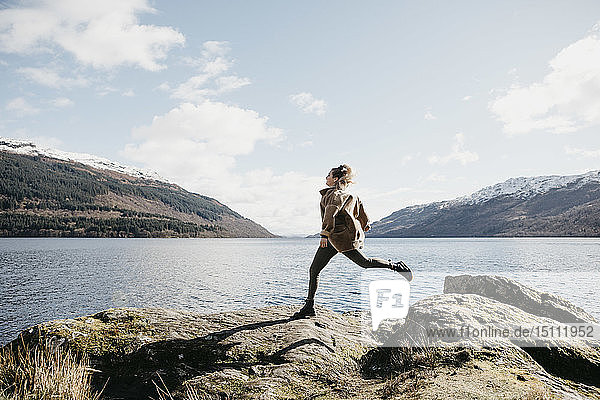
253	102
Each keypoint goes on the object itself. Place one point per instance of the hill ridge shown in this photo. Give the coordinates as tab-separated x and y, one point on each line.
45	196
535	206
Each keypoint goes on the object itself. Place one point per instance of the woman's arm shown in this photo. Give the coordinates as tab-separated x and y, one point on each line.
362	217
333	204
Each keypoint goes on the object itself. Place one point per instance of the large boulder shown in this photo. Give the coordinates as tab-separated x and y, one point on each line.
508	291
471	320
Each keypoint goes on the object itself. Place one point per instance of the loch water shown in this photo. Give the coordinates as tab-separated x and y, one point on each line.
48	278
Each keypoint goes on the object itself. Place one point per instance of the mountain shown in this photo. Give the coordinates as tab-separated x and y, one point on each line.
45	192
525	206
27	147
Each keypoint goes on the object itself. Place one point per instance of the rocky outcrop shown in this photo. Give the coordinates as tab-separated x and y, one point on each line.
261	353
508	291
257	352
470	320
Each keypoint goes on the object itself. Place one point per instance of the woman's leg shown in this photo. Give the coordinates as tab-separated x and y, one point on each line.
359	258
322	257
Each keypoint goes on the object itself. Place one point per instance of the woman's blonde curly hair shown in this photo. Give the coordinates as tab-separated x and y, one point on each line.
344	174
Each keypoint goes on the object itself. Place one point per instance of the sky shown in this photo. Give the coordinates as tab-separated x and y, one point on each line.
253	102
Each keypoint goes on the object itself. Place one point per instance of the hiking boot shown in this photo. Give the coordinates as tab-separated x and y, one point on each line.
402	269
307	311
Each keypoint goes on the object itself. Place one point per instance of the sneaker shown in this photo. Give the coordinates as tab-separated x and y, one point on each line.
402	269
306	311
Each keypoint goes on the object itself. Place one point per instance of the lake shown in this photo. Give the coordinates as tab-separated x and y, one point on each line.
48	278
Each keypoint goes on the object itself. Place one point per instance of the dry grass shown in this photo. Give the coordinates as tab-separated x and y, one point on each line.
42	372
539	392
409	355
191	393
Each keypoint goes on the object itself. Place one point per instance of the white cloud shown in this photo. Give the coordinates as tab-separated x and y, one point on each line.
429	116
229	83
467	98
214	126
164	87
583	153
407	158
213	48
197	145
436	178
308	104
103	91
128	93
458	153
102	34
565	100
210	81
62	102
21	107
51	78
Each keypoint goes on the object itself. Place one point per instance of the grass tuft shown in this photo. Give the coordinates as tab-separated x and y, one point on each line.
44	372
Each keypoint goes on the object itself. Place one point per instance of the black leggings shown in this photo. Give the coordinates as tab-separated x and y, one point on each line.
324	254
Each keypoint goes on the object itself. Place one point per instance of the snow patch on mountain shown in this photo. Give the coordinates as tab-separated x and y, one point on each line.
524	187
27	147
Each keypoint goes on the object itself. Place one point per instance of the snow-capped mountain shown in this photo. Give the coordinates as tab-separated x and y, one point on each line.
28	147
524	187
43	195
525	206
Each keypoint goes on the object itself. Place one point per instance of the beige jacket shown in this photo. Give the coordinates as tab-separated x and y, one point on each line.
344	219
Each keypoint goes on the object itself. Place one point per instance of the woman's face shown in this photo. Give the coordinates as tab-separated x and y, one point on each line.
330	180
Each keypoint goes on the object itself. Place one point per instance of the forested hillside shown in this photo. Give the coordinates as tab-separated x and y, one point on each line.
41	196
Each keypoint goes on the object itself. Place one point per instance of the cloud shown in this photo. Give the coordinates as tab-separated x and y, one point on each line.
406	159
458	153
105	90
197	146
164	87
308	104
128	93
210	80
51	78
467	98
21	107
436	178
429	116
229	83
210	126
62	102
582	153
101	34
214	48
567	99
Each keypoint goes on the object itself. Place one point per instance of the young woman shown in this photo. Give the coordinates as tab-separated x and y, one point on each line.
344	223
